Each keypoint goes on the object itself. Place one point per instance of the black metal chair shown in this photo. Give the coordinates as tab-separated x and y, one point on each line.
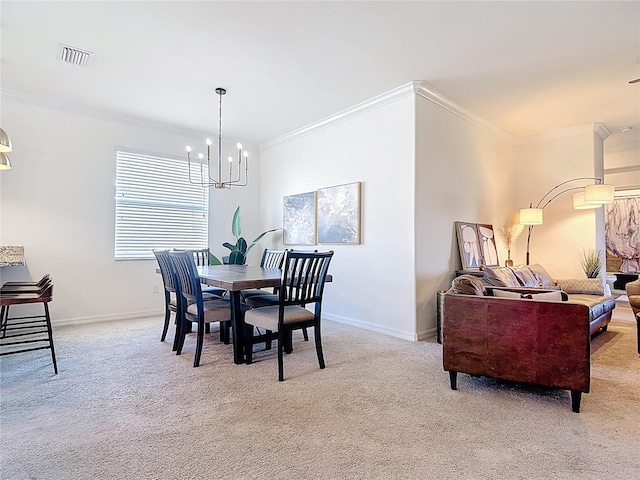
196	309
29	333
302	283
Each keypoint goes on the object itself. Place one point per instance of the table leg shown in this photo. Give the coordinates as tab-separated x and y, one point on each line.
237	328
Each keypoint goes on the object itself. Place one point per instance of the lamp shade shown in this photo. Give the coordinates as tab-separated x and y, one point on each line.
599	194
580	204
5	142
531	216
5	164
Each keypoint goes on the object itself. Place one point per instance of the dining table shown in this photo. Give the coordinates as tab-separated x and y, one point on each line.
234	279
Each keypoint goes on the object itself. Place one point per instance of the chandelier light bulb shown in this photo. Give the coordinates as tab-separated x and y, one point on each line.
188	149
208	141
239	145
245	153
200	156
230	159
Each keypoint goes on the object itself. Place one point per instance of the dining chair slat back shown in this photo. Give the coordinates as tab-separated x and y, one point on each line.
196	309
301	284
172	296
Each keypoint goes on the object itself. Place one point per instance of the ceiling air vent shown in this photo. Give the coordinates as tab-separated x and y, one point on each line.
74	56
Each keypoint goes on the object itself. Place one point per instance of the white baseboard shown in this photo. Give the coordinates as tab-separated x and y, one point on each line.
106	318
368	326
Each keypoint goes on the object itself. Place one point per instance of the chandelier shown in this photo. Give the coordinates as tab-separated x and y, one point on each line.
205	179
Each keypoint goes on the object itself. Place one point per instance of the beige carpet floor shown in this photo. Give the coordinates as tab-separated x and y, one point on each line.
124	407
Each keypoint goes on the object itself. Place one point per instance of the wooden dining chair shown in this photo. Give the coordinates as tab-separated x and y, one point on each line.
202	258
172	297
195	308
270	259
28	333
301	284
45	278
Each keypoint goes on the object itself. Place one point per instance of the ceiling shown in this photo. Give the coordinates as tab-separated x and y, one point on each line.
525	67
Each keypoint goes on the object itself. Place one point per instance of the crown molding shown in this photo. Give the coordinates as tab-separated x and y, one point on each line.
601	130
427	92
346	114
627	147
628	169
130	121
416	87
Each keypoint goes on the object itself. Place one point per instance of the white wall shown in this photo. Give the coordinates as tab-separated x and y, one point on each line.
374	282
58	201
465	173
622	166
540	165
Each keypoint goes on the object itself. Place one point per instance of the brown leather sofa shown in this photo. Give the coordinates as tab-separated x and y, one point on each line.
633	292
535	341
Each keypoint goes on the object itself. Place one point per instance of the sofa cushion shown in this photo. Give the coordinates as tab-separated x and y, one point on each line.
525	276
548	296
598	305
544	279
468	285
589	286
501	277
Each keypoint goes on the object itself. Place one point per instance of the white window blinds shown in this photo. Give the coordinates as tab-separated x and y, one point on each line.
157	207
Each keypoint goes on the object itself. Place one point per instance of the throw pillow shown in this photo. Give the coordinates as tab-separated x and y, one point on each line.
506	294
542	275
501	277
525	276
549	296
586	286
468	285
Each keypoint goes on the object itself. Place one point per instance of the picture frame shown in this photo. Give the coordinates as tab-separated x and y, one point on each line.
468	245
339	214
299	219
487	239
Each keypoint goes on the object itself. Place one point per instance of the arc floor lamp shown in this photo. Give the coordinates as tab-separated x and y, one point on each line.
585	197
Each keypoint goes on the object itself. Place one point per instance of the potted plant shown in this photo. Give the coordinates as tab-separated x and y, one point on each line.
591	262
239	251
510	230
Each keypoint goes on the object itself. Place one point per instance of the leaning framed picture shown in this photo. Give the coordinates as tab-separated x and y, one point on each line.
487	240
299	219
339	214
469	245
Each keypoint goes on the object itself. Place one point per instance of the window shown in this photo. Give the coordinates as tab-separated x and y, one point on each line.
157	207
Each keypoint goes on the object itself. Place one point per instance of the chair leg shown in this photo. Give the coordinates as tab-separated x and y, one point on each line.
281	337
268	345
226	328
288	345
316	334
207	328
185	326
199	341
305	334
167	317
50	333
4	318
248	343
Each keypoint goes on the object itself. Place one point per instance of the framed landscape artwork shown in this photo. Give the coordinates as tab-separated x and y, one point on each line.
339	214
299	219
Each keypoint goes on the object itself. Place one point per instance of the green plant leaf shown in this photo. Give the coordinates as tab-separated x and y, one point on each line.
213	260
233	248
257	239
237	258
236	229
242	245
